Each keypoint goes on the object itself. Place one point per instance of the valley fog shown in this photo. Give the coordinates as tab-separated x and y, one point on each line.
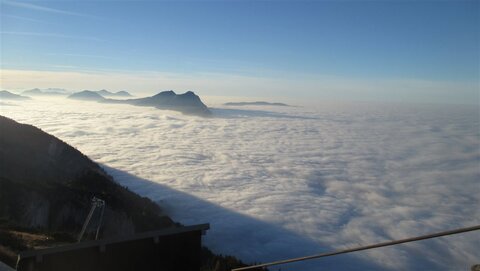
277	182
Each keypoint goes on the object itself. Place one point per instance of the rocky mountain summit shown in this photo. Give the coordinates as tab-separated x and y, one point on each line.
187	103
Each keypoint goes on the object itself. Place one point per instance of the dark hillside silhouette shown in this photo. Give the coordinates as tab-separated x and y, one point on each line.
46	185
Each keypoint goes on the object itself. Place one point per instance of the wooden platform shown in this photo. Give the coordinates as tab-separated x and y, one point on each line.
175	249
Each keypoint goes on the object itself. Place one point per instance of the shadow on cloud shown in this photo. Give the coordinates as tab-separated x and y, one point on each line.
245	113
233	233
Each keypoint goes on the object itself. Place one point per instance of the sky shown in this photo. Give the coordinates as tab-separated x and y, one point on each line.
415	51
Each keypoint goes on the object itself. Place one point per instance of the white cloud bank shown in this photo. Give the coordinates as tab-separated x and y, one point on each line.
297	180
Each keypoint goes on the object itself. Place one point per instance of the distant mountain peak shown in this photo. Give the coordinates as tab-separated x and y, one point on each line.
167	93
105	92
7	95
123	93
45	92
87	95
187	103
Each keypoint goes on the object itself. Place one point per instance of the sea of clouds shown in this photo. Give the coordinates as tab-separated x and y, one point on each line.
280	182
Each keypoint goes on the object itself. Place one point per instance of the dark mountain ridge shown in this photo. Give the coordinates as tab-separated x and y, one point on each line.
47	184
187	103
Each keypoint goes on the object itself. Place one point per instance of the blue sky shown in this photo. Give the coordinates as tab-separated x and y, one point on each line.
394	50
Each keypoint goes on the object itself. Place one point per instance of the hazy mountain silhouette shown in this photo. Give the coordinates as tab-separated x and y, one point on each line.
254	103
187	103
86	95
107	93
45	92
7	95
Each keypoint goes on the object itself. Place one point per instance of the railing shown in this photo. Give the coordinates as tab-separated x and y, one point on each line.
350	250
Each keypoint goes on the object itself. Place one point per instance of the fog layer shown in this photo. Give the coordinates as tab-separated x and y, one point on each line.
333	175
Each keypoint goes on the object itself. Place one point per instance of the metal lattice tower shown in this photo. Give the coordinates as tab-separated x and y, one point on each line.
96	203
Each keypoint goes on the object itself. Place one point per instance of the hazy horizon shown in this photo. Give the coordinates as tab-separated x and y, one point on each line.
212	100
